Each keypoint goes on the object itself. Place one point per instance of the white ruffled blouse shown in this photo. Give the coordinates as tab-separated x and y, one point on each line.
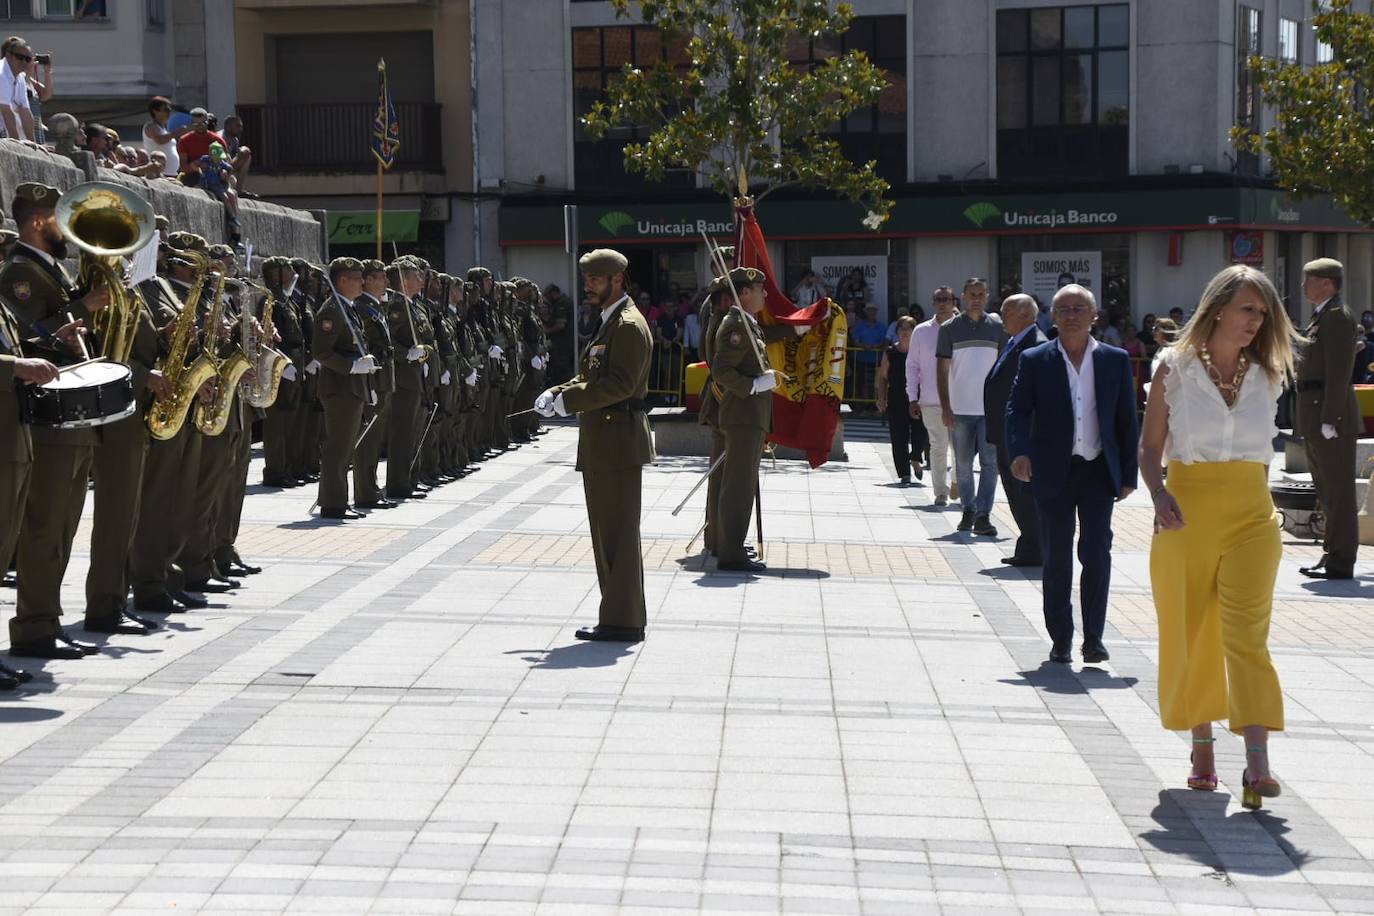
1201	426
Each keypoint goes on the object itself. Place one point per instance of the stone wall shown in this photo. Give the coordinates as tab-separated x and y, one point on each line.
269	228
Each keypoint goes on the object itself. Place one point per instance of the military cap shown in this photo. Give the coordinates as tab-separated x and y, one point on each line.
405	262
746	276
524	283
373	266
299	264
603	262
37	194
478	273
338	265
1329	268
162	223
188	241
421	263
220	251
8	236
274	262
727	252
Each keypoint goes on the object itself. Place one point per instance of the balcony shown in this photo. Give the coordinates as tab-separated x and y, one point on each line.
337	137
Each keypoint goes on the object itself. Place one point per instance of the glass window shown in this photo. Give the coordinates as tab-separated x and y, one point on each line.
1011	92
1044	90
1113	87
1044	29
1288	41
1113	26
1324	53
1078	89
1011	30
1078	27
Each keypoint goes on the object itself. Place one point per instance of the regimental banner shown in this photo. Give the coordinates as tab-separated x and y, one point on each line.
832	270
1043	273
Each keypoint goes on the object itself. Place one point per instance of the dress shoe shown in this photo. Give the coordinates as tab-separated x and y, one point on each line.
84	648
966	520
122	622
1061	653
382	503
903	481
983	526
1324	573
242	567
603	633
213	586
750	566
344	513
8	683
312	477
188	601
47	647
941	502
1095	652
159	604
1315	567
17	674
1020	561
279	482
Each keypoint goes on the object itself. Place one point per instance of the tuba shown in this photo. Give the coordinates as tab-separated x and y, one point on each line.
108	221
268	362
168	415
212	417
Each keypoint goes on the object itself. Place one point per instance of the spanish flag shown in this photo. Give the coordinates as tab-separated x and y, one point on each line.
386	130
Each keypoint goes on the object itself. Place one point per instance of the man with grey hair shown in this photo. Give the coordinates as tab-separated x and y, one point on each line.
1071	434
1019	314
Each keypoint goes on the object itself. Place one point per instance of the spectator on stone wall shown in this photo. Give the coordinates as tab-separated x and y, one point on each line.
157	138
98	143
14	88
240	156
40	91
195	143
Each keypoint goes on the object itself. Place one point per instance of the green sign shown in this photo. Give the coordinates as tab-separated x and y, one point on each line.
953	214
358	227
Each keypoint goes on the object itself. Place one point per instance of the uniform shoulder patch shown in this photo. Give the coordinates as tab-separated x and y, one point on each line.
22	290
327	325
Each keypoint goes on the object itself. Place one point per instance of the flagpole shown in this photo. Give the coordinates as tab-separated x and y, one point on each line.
379	209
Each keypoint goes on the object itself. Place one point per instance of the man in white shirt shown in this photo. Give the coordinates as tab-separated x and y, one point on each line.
14	91
923	391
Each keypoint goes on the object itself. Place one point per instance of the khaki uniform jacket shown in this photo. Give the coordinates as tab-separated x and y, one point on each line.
739	358
378	334
336	349
15	443
1329	359
409	376
614	369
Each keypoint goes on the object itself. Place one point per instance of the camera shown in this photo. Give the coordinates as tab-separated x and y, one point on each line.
43	59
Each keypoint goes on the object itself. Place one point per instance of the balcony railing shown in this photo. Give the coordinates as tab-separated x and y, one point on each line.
337	137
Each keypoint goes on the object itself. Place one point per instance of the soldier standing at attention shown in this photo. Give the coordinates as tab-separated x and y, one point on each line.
367	494
345	366
278	425
403	433
613	442
1329	416
744	383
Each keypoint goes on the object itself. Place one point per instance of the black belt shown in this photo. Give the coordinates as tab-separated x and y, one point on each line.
629	405
1309	384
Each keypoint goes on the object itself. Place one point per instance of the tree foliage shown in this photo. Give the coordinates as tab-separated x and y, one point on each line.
731	107
1323	142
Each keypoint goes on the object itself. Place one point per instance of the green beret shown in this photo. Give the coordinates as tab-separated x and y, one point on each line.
274	262
189	241
1329	268
525	283
478	273
162	223
603	262
373	266
727	252
37	194
338	265
405	262
300	264
221	251
420	263
746	276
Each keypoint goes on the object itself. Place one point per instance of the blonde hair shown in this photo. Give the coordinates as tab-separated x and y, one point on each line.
1272	348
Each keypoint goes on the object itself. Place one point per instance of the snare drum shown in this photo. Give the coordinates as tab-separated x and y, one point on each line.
91	394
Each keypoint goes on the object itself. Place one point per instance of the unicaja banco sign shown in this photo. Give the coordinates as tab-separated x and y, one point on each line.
620	223
985	215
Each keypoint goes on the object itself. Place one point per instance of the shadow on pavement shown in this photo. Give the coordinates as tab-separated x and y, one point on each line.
579	655
1358	587
1011	572
14	715
1181	812
1053	677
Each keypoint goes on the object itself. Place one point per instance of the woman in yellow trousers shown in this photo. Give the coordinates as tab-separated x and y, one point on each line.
1217	546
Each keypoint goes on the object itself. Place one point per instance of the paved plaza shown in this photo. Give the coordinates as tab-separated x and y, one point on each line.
395	718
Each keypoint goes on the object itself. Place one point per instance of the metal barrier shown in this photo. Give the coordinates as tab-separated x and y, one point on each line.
861	377
668	373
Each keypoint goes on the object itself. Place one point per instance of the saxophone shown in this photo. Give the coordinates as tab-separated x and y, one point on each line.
168	415
212	418
268	361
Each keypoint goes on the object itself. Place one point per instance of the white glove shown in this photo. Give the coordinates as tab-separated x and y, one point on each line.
424	370
363	365
312	367
766	382
495	352
537	362
289	373
558	407
801	329
471	378
372	398
445	378
544	404
415	354
1328	431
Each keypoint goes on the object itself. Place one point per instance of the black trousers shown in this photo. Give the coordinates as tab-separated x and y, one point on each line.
1088	496
909	437
1021	499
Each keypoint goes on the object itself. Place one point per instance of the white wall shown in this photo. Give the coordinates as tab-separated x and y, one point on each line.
544	264
1156	287
221	79
948	262
1359	274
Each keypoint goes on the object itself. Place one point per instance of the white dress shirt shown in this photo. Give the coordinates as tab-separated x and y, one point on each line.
1087	434
1202	428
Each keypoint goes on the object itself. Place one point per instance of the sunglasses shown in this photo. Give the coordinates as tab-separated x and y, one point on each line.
26	58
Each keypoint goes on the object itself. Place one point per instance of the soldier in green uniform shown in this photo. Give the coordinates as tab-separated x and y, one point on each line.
41	296
303	445
439	380
479	313
534	359
408	359
278	424
708	415
473	365
345	367
367	494
744	385
16	445
613	443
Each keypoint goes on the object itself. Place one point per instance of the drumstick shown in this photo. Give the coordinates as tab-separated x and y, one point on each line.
81	341
62	369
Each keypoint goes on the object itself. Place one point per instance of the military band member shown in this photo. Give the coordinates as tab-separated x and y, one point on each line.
613	443
371	310
1328	416
41	295
345	368
408	359
304	443
278	424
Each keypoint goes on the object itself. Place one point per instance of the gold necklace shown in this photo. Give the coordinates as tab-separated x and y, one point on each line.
1230	391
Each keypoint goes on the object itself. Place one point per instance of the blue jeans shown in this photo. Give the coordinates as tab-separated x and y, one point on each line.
970	437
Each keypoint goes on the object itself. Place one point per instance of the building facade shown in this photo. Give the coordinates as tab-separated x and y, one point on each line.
1024	139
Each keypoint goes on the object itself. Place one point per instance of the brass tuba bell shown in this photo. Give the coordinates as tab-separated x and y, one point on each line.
108	221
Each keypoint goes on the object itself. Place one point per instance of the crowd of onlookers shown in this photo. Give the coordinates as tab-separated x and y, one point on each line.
173	144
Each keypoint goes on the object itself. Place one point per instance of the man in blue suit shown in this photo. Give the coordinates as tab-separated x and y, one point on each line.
1071	432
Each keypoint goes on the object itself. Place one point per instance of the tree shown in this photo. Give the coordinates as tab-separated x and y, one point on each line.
1323	141
733	108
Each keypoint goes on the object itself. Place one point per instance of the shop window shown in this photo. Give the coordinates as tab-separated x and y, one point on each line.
1063	91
